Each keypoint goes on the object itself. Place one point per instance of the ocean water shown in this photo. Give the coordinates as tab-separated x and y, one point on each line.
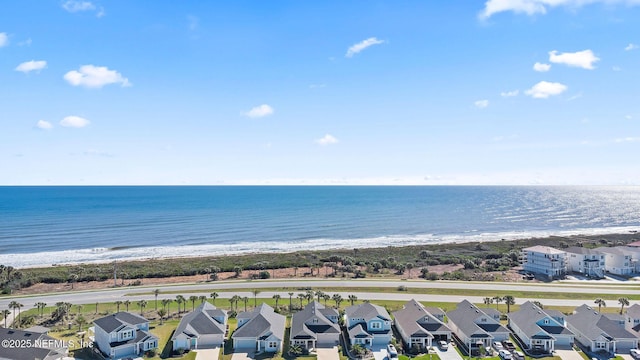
55	225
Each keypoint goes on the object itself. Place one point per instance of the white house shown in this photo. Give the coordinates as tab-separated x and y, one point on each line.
315	326
545	261
418	327
368	325
476	327
632	320
261	330
538	329
617	261
123	334
205	327
601	332
585	261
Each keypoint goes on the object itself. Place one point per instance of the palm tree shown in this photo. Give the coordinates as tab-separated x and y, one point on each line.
13	306
538	304
237	270
235	299
498	300
96	307
165	305
214	295
600	302
409	266
202	299
20	312
246	300
162	313
127	303
80	320
623	301
79	308
180	299
290	304
5	313
156	292
301	297
352	299
72	278
142	304
326	297
193	299
255	293
488	301
509	300
276	297
118	303
338	299
319	294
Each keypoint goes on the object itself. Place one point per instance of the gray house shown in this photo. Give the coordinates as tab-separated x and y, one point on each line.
601	332
538	329
204	327
632	320
123	334
260	330
368	325
476	327
315	326
42	346
418	327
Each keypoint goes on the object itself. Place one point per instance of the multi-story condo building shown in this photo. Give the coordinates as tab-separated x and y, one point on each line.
545	261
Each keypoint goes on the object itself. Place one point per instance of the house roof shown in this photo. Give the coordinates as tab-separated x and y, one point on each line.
302	329
367	311
262	320
633	311
581	250
437	312
141	336
112	322
358	331
494	313
464	316
529	315
31	352
202	321
593	324
416	321
544	249
611	250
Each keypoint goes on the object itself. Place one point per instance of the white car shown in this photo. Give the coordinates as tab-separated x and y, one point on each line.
505	355
635	353
443	345
518	355
498	346
393	353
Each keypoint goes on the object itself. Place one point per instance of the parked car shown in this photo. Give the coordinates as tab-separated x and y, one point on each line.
393	353
518	355
505	355
508	345
443	345
498	346
635	353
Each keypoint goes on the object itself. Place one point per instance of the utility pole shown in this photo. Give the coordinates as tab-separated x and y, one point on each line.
115	277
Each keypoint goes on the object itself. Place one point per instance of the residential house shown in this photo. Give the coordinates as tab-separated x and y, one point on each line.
634	251
585	261
42	346
545	261
418	327
123	334
632	320
476	327
538	329
368	325
601	332
617	261
261	329
205	327
315	326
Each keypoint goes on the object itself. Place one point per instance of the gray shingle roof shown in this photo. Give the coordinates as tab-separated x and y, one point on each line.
21	353
464	316
201	321
358	332
112	322
526	320
593	324
263	320
304	327
581	250
416	321
367	311
634	311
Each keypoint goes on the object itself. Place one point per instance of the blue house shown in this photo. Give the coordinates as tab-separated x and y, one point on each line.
368	325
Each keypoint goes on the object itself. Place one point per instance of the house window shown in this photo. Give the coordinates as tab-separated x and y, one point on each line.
273	344
546	321
601	345
315	320
376	325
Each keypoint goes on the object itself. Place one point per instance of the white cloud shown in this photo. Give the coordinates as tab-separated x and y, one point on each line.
356	48
510	93
631	47
74	122
91	76
76	6
574	97
25	43
32	65
4	39
328	139
481	104
583	59
533	7
540	67
628	139
45	125
260	111
616	68
628	117
544	89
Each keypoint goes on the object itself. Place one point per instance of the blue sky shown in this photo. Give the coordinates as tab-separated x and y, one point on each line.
331	92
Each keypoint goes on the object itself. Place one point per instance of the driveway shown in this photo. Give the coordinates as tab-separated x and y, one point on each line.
380	353
569	354
328	353
246	355
207	354
449	354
